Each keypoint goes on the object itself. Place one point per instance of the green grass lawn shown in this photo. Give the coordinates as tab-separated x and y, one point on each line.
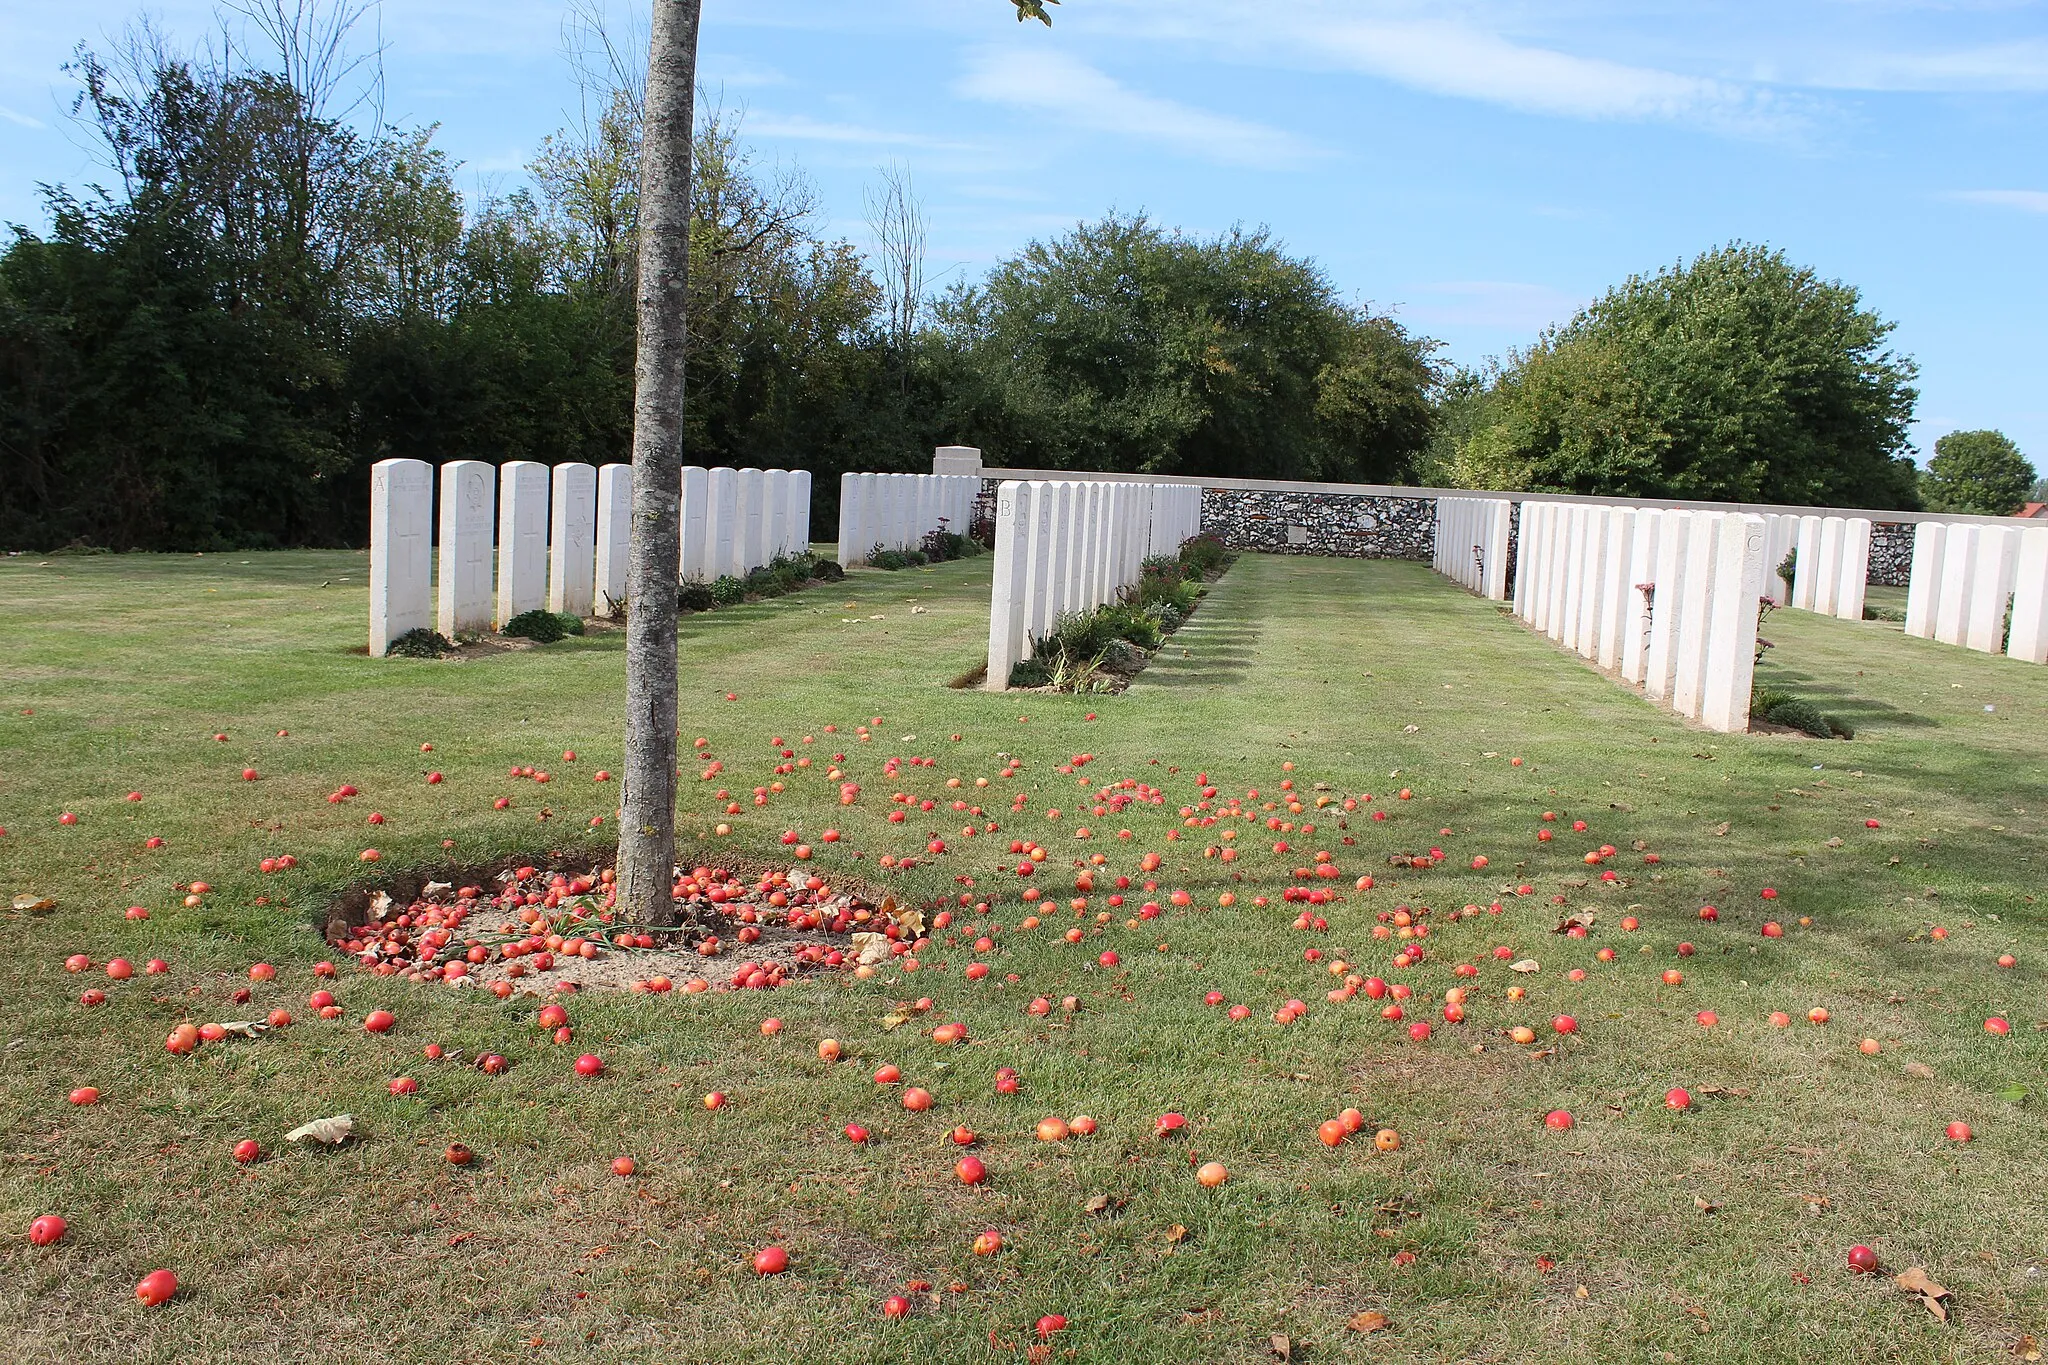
1716	1234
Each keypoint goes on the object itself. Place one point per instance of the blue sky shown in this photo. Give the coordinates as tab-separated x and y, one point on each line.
1482	168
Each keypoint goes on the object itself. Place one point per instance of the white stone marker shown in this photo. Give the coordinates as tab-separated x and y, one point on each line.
1524	524
852	510
2030	598
1674	539
572	539
751	532
1923	586
725	522
1997	558
1635	615
1827	582
1854	582
1689	674
1061	495
1615	584
1014	502
1781	533
522	538
614	533
799	520
469	505
1565	628
775	515
1805	569
401	550
695	516
1587	644
1731	635
1556	556
1037	548
1958	584
1500	525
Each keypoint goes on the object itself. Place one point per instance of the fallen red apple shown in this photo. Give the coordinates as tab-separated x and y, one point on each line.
1862	1260
156	1287
46	1229
771	1261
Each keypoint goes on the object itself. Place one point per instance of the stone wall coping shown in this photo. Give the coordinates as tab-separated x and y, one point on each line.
1375	490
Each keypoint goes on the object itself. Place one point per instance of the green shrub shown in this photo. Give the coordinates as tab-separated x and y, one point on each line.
879	558
827	570
1788	568
1204	555
572	624
1762	699
542	627
1133	624
1030	673
762	582
1871	613
694	596
420	644
1801	715
728	591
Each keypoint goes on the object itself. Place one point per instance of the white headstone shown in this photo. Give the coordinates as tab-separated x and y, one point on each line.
401	550
1500	525
724	514
1037	547
1991	589
1674	540
522	538
1806	568
1635	616
1524	523
1565	629
469	505
775	515
696	525
799	518
1689	675
1061	495
752	530
2030	598
1014	505
1615	585
1827	583
1958	584
1923	588
1731	635
572	539
962	460
1854	581
614	533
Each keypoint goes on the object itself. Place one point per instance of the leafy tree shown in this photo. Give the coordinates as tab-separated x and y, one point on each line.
1980	472
1738	377
1123	347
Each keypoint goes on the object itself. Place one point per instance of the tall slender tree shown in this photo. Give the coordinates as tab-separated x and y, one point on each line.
647	812
647	819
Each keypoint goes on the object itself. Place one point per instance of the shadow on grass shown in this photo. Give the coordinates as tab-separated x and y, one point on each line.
1840	700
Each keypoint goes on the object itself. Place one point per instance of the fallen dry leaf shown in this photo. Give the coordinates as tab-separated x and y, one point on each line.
1371	1320
872	948
247	1028
1921	1286
332	1131
1101	1204
1281	1346
2026	1348
1703	1204
1527	964
1920	1071
1721	828
31	904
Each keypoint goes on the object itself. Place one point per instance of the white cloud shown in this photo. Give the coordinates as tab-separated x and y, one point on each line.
23	119
1462	58
802	128
1999	68
2032	201
1070	91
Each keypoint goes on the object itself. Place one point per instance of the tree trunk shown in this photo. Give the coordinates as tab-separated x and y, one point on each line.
647	819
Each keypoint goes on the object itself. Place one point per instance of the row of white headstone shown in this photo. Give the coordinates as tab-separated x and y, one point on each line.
561	538
1472	543
1967	576
1066	546
736	520
1831	566
897	511
1667	600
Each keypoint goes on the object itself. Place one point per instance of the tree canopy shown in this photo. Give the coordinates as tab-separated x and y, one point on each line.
1124	347
1738	377
1980	472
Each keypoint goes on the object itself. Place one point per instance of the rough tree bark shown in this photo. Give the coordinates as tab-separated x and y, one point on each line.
647	815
